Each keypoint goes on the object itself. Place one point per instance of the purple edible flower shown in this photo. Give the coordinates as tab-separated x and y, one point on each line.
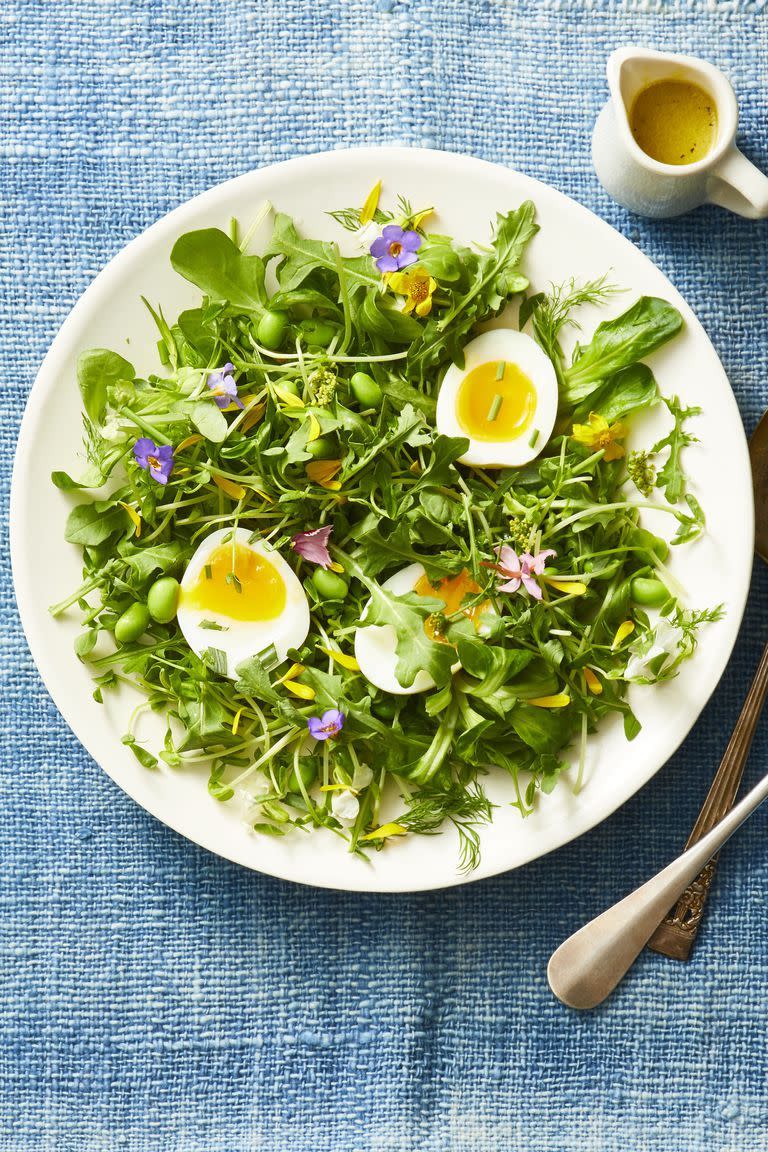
158	461
327	726
522	570
313	546
395	249
222	384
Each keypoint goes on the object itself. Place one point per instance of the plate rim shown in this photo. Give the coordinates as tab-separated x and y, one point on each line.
112	271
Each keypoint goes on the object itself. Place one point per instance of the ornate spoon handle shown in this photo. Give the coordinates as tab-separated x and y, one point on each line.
676	934
589	965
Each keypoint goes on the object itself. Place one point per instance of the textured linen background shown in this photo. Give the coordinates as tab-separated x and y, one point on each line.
155	997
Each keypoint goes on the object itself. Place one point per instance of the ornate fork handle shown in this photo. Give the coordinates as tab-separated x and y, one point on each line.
676	934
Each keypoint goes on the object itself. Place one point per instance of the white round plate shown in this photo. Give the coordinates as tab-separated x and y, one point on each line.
467	193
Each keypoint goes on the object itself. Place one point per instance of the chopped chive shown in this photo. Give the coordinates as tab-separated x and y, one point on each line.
254	536
215	659
501	368
213	626
232	579
534	438
496	404
208	572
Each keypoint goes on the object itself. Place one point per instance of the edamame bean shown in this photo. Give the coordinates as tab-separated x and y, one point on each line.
163	599
365	390
317	332
307	772
649	592
271	329
132	624
654	545
324	448
329	585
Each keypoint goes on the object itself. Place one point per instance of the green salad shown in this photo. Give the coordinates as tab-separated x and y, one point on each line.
359	547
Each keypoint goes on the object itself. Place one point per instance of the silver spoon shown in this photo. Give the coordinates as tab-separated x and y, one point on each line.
588	966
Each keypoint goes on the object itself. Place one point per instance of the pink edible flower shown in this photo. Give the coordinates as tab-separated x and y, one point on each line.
522	570
313	546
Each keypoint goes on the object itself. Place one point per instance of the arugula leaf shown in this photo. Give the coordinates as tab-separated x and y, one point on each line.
406	615
617	343
300	257
209	259
671	477
148	559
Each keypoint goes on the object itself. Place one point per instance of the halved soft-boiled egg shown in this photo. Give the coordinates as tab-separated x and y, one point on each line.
376	645
239	596
504	399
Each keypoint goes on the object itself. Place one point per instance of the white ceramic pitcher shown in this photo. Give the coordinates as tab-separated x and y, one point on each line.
724	176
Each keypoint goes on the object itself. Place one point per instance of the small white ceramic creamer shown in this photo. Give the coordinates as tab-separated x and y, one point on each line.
723	176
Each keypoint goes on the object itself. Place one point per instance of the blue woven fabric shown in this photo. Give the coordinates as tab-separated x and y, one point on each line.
155	997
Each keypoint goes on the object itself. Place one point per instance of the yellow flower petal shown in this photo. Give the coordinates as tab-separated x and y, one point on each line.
252	417
623	630
188	442
303	691
593	682
342	658
384	831
236	721
314	428
236	491
323	471
265	498
368	210
287	397
571	587
334	567
293	671
561	700
134	516
420	217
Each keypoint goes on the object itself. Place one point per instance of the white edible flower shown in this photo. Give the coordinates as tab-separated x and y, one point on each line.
345	806
112	429
666	638
362	777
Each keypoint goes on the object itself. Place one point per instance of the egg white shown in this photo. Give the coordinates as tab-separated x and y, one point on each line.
244	638
515	348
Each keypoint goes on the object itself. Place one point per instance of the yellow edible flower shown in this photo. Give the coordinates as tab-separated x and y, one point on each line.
598	433
561	700
384	831
593	682
417	286
623	630
236	491
341	658
368	210
322	472
134	517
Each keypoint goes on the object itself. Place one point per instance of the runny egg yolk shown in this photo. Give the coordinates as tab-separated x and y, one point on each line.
495	401
239	583
451	590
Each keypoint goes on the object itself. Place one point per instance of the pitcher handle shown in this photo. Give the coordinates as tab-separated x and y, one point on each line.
736	184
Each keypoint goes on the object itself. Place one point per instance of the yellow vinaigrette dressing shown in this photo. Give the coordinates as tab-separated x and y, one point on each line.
496	401
674	122
238	583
